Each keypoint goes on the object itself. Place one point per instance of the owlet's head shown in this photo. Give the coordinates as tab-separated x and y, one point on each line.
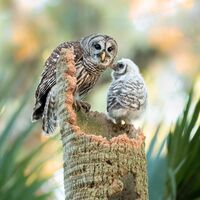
124	67
99	49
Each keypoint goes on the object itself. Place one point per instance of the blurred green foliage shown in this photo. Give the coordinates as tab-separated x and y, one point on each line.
157	35
175	175
20	168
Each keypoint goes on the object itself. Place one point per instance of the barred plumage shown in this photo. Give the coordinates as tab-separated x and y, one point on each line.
127	95
49	120
93	54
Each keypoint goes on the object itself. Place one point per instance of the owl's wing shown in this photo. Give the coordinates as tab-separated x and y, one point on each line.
48	77
130	94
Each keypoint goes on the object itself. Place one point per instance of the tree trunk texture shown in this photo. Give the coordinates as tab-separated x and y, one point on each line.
101	160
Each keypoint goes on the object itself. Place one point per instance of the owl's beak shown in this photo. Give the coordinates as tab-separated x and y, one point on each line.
114	66
103	56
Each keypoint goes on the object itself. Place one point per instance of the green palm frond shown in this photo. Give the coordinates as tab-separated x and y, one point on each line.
156	168
183	147
19	179
176	174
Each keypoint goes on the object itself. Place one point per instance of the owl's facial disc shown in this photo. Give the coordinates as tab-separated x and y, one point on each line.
98	53
102	51
120	68
125	67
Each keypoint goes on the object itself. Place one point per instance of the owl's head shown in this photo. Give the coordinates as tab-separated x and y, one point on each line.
99	49
125	67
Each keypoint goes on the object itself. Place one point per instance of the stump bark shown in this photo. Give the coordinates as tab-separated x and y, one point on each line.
101	160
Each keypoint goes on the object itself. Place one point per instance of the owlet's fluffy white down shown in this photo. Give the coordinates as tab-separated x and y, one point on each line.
127	94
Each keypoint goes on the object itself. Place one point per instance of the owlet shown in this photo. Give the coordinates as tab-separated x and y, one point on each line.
127	95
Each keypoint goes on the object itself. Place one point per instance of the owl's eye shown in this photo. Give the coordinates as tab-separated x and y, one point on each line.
97	46
120	65
110	48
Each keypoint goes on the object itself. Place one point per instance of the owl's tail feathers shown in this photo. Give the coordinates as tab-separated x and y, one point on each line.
49	119
37	112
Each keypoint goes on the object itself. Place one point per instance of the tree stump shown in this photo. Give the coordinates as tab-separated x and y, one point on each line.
101	160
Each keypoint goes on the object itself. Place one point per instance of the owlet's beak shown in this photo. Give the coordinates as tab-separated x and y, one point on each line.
114	66
103	56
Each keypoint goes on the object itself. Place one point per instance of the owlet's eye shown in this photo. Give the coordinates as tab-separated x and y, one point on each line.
120	65
97	46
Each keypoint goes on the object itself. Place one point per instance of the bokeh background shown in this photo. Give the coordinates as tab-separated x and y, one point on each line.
161	36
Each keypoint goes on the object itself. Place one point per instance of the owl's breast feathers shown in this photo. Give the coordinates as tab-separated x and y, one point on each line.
130	94
48	77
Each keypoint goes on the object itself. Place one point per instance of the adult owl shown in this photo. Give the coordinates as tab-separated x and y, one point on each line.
127	95
93	54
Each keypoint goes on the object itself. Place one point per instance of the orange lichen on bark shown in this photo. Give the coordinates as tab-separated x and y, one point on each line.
133	142
67	56
70	76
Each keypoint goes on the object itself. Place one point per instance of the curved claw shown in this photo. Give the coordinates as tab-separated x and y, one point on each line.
81	105
76	106
85	106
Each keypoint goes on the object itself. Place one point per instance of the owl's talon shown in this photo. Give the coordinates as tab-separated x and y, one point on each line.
85	106
81	105
77	106
122	122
